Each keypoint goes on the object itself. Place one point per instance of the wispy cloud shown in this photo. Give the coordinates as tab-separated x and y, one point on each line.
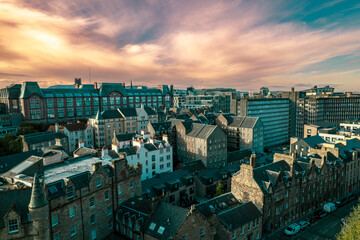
201	43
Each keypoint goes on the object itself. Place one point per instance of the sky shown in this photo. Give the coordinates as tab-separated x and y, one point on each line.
242	44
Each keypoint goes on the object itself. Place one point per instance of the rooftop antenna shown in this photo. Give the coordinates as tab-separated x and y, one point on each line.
89	76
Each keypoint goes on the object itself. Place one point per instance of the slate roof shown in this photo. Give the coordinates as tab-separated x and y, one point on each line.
73	127
10	161
128	112
240	215
161	126
238	155
217	204
125	136
43	137
149	110
313	141
201	130
29	88
14	91
217	174
148	186
20	198
110	114
107	88
129	150
84	151
165	221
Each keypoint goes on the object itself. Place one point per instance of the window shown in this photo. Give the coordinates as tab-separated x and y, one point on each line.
70	112
61	112
234	234
73	230
60	102
104	99
131	184
78	102
109	210
71	212
92	219
69	102
87	102
96	101
51	113
79	111
98	182
87	111
13	226
54	220
92	202
249	226
50	103
106	195
34	103
119	190
202	233
70	192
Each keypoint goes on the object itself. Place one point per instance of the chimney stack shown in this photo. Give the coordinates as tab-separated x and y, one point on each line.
96	166
77	82
95	85
81	144
253	160
56	127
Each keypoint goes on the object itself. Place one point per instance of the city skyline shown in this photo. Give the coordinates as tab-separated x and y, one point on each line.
239	44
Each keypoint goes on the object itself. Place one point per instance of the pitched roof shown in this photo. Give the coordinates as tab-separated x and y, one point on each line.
128	112
110	114
313	141
217	204
107	88
29	88
201	130
194	166
161	126
10	161
240	215
125	137
238	155
20	199
43	137
149	110
148	186
165	221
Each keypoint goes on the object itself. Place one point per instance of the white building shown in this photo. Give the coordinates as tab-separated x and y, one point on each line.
154	155
77	132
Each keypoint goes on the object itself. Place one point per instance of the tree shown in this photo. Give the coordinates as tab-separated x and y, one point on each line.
219	189
351	228
30	127
10	144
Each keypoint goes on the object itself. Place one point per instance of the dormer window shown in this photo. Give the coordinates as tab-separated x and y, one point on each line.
13	226
210	180
70	192
98	182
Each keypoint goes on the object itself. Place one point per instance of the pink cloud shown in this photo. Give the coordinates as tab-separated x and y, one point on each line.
199	43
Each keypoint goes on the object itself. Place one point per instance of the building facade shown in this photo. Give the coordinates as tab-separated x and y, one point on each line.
274	114
242	132
67	203
78	101
200	141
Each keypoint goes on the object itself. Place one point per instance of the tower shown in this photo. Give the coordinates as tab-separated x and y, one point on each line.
39	211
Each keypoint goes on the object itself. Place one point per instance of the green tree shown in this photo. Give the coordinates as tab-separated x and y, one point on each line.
219	189
10	144
30	127
351	228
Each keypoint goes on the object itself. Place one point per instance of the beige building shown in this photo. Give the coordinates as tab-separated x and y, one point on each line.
200	141
122	120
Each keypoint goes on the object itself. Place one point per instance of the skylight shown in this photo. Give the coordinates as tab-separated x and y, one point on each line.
21	167
152	226
161	230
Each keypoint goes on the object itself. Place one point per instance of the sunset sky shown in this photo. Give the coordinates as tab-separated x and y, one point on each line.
203	43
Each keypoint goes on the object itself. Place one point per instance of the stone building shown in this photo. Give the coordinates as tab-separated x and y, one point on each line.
77	133
78	194
44	139
145	219
302	146
242	132
200	141
290	187
122	120
231	218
